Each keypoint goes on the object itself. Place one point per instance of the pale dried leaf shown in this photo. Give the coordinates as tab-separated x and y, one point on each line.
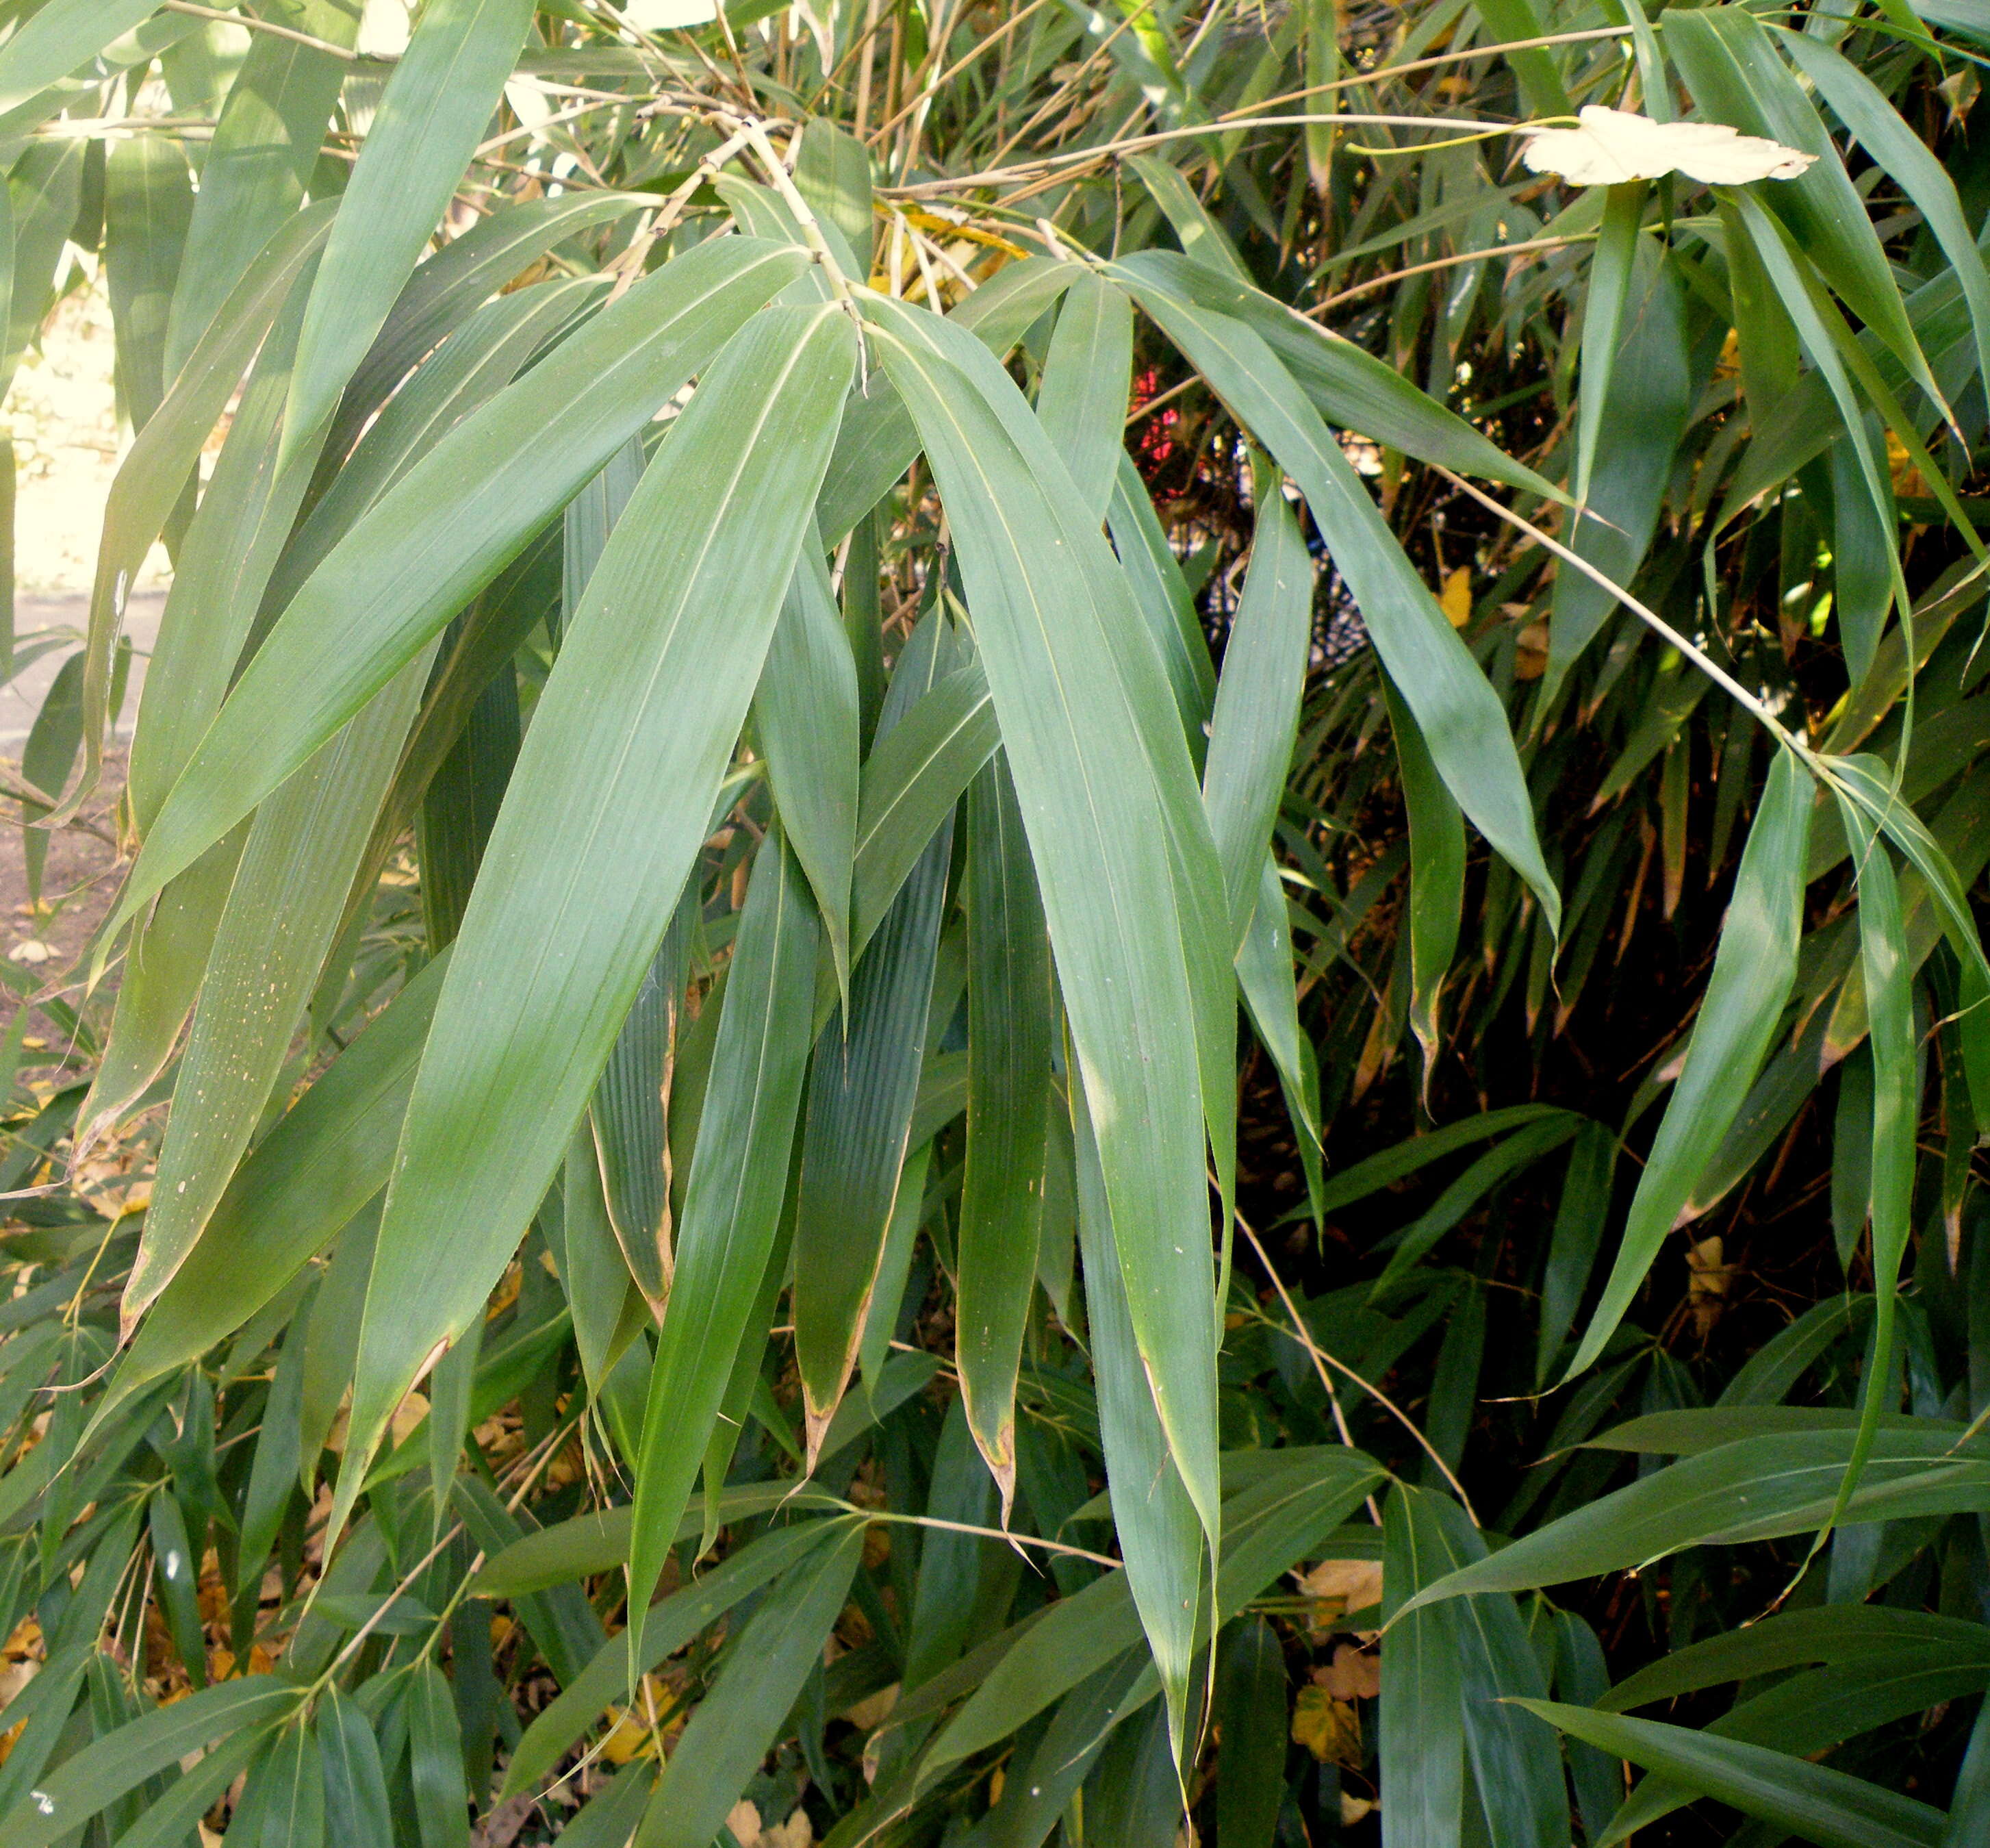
1348	1584
1355	1674
666	16
1613	145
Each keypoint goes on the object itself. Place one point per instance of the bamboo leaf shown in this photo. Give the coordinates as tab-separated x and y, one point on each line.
1437	876
911	781
59	37
641	701
433	112
356	1808
1257	712
148	200
735	1723
1860	105
435	1760
626	1118
154	471
257	167
732	1201
1347	385
443	531
1010	1030
1729	64
104	1770
283	911
1822	1805
1082	401
1131	965
1460	714
1250	1710
328	1157
1754	1488
1160	1538
806	711
1753	971
863	1084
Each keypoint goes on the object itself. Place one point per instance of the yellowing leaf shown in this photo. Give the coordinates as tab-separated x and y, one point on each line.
1455	598
1328	1728
1613	145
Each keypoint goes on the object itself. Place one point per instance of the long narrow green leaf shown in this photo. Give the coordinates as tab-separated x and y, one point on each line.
1646	396
671	1623
435	1760
162	976
155	469
282	912
1130	938
448	287
433	112
735	1723
915	775
1822	1805
1461	716
863	1086
1756	1488
1753	971
628	744
1884	961
1082	401
626	1128
1863	107
59	37
732	1201
1437	875
148	201
1257	712
225	561
1422	1741
1011	1029
257	168
103	1771
806	710
1729	63
1152	1509
1602	318
328	1156
1350	386
444	530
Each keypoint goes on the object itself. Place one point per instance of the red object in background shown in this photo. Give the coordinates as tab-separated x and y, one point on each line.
1156	444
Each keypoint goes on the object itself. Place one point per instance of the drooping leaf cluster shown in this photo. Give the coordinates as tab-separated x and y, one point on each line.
998	884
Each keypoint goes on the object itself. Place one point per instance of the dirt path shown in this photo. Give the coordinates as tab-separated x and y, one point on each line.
62	414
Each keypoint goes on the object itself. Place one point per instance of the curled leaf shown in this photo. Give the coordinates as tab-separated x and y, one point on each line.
1613	145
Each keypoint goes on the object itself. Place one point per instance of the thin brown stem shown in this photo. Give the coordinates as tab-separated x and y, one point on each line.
1447	263
1322	1359
222	17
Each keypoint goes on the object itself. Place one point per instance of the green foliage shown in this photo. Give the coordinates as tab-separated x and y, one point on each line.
837	1096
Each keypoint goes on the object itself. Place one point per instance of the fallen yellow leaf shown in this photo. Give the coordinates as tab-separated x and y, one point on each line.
1328	1728
1455	598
